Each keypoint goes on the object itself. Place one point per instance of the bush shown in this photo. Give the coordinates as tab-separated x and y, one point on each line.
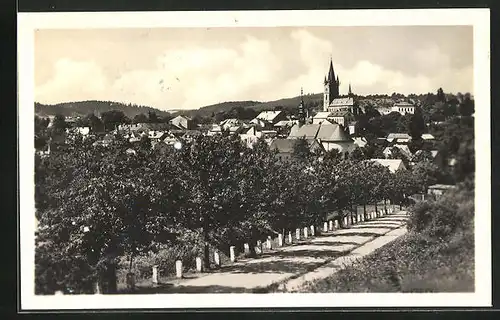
452	212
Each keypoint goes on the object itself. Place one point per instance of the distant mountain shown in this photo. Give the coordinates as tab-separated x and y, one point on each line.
83	108
286	103
219	107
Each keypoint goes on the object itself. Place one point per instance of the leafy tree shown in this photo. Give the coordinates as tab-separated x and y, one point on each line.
440	95
95	123
416	127
466	108
426	174
113	118
59	124
140	118
152	117
357	155
301	149
94	204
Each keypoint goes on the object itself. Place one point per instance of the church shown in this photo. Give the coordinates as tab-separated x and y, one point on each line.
332	100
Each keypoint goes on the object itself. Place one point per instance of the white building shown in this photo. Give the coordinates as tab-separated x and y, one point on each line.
403	108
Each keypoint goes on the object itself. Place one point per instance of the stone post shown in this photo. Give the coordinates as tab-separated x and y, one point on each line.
336	224
178	268
258	248
290	239
297	234
325	227
345	221
305	232
330	225
199	264
217	258
246	248
280	240
269	244
232	255
155	275
312	231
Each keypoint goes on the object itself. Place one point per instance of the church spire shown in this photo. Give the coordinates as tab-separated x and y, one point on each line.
302	113
350	91
331	73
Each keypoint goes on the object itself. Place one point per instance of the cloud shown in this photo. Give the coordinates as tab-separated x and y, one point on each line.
73	79
255	68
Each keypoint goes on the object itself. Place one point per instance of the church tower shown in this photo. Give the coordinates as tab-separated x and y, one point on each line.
331	87
302	111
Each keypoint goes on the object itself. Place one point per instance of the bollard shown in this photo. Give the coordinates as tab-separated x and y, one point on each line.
325	227
305	232
268	244
59	293
297	234
199	264
246	248
336	224
312	231
258	249
216	258
330	225
280	240
178	268
130	280
345	221
290	240
155	275
232	255
97	286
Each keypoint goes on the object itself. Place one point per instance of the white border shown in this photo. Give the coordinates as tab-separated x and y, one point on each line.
479	18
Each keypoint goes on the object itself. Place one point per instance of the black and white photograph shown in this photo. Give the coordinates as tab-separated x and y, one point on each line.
286	161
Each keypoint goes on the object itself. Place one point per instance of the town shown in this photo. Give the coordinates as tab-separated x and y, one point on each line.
125	204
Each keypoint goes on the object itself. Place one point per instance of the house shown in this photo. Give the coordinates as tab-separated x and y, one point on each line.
182	122
398	137
427	136
402	147
169	139
283	127
360	142
403	108
393	164
271	116
228	123
384	110
285	147
156	136
438	190
105	141
251	136
352	127
342	117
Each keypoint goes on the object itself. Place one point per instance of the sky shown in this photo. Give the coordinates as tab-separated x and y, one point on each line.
187	68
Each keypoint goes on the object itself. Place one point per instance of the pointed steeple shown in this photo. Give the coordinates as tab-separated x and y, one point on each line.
350	91
302	114
331	73
326	81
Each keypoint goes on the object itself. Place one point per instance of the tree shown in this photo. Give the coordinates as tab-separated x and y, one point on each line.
208	169
416	127
301	149
113	118
59	124
440	95
466	108
140	118
95	123
357	155
152	117
94	205
426	173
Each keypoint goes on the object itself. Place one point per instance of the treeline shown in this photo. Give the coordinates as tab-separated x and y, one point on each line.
97	204
83	108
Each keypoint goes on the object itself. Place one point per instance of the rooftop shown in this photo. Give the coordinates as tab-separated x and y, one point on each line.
393	164
342	102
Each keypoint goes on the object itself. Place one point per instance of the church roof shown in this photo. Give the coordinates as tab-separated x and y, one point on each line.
287	145
332	132
309	131
342	102
325	131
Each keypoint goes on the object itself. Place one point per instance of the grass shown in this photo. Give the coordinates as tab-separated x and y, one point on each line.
412	263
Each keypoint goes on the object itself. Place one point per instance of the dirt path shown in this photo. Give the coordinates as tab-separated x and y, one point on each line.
288	268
